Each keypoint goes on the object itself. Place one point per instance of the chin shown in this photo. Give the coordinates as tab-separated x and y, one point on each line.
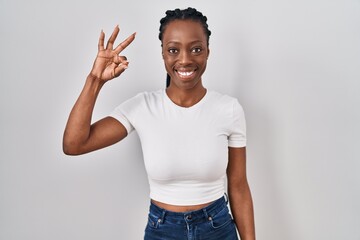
186	85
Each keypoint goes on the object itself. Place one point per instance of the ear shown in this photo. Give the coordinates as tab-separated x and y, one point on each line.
208	53
162	51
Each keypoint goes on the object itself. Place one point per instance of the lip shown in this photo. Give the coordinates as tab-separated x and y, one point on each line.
185	74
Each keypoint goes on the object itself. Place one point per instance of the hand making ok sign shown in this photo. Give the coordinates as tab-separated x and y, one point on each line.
108	63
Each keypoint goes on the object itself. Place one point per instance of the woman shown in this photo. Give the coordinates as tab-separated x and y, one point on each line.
192	138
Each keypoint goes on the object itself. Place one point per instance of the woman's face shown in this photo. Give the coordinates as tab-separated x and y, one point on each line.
185	52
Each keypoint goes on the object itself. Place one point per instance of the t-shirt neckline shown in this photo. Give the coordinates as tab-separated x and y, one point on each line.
196	105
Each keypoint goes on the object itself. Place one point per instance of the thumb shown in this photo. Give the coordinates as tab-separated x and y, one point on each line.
120	68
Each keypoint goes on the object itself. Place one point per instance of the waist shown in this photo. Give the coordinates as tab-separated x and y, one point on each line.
186	192
177	208
198	210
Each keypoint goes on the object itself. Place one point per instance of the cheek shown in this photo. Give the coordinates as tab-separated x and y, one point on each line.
168	65
203	62
168	61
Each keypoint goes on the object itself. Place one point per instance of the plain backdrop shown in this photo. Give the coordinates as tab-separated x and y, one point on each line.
293	65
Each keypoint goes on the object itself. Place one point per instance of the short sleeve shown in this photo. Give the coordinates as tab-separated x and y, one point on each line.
126	112
237	137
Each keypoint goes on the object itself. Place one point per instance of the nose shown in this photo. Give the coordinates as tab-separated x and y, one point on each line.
184	57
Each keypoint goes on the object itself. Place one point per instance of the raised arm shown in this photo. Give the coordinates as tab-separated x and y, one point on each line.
80	136
239	193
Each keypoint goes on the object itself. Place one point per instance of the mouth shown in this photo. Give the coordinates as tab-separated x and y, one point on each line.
185	74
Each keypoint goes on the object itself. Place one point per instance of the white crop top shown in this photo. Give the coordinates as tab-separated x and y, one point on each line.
185	149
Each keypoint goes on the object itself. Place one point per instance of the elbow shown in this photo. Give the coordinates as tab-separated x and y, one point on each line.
69	152
72	144
71	149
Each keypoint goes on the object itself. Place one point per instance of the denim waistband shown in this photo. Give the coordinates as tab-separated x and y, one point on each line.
206	212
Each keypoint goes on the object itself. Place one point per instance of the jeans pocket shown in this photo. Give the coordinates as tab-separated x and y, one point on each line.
153	221
221	218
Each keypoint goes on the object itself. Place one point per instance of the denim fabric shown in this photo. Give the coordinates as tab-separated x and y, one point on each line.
211	223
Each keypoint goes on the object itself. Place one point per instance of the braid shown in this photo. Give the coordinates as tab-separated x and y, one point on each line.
185	14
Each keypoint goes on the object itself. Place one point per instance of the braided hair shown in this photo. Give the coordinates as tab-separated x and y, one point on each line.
185	14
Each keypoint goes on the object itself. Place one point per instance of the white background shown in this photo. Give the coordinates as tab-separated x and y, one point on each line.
293	65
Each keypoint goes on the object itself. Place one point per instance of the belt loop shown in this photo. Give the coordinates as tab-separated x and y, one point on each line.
226	198
163	215
205	213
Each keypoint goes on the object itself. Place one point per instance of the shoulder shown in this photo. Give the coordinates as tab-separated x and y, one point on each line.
145	97
223	100
152	95
225	106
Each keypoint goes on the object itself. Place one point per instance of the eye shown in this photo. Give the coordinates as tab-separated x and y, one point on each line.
172	50
196	50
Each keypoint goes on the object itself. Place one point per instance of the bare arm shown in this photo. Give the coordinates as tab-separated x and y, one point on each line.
80	136
239	194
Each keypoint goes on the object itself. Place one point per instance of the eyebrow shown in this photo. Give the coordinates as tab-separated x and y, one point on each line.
176	42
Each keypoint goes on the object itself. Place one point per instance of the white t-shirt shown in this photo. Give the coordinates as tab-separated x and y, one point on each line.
185	149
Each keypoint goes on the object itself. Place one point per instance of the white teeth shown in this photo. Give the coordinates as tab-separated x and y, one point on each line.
185	73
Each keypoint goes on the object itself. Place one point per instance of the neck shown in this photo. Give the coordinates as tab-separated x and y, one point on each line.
186	97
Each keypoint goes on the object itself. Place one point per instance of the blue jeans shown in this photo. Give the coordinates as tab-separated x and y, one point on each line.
213	222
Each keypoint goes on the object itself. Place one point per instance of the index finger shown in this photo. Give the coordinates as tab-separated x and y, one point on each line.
101	41
125	43
112	38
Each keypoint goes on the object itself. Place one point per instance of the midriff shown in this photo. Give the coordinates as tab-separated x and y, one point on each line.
176	208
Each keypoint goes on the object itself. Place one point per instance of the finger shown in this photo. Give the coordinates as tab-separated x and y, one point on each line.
101	41
125	43
120	69
112	38
119	59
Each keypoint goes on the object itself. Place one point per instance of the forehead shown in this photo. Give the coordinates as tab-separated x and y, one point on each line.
184	31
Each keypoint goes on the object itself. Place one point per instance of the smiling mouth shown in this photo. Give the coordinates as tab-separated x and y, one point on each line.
185	74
